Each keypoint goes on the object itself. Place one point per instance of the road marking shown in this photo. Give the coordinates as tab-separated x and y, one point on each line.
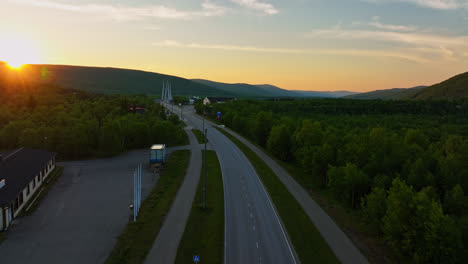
253	228
274	211
257	244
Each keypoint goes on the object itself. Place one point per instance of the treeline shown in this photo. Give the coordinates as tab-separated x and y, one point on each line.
77	124
402	164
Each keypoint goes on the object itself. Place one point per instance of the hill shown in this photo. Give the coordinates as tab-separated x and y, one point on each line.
453	88
114	80
387	94
268	90
248	90
334	94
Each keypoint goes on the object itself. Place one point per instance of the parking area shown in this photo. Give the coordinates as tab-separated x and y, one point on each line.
82	215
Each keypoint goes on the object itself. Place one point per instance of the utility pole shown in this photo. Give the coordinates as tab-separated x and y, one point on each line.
204	182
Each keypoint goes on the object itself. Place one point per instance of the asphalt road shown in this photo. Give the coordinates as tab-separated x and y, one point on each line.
80	218
253	231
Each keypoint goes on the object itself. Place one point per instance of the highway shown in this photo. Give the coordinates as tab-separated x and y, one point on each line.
253	231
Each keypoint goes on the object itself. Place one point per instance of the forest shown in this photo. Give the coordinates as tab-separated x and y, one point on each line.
402	165
78	124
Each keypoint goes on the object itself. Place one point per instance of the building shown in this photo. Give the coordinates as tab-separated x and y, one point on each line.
210	100
22	172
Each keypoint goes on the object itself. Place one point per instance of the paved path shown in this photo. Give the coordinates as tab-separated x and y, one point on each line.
165	246
341	245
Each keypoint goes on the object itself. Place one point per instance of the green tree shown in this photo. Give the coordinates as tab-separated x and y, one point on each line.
374	208
279	142
263	124
309	133
455	202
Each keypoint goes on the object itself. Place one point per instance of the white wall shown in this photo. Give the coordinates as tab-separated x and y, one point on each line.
33	191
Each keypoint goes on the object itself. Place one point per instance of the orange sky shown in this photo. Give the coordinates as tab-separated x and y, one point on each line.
296	45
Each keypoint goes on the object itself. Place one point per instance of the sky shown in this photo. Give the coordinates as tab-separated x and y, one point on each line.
320	45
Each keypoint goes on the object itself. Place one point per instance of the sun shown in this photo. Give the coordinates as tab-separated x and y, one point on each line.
14	64
17	51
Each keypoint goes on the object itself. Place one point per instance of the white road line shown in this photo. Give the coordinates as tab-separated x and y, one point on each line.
274	211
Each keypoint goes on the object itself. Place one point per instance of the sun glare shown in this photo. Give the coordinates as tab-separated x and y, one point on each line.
17	51
14	64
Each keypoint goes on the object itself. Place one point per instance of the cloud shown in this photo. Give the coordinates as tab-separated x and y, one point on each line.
266	8
399	54
376	23
413	38
434	4
420	44
120	12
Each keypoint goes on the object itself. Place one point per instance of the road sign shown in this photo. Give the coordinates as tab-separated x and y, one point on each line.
196	259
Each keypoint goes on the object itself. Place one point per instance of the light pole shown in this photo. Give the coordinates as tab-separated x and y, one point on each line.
204	182
181	113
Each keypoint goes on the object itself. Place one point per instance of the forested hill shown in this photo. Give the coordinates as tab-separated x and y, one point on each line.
387	94
114	81
453	88
268	90
248	89
77	124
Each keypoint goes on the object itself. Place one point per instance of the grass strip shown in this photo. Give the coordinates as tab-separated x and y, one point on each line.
33	203
199	135
204	232
137	239
306	239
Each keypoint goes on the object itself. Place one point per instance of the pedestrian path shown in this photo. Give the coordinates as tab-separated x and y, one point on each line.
165	246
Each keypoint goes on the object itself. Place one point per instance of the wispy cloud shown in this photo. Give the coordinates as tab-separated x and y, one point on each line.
399	54
266	8
434	4
121	12
420	43
414	38
377	24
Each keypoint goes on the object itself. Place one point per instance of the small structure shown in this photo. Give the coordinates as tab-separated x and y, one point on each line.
22	172
218	100
157	156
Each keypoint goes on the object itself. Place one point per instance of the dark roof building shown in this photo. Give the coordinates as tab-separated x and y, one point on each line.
22	171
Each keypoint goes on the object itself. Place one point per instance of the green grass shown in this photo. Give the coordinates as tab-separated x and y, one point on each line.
204	232
199	135
45	187
137	239
307	241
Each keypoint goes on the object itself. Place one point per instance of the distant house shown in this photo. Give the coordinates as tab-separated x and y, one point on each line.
22	172
137	109
210	100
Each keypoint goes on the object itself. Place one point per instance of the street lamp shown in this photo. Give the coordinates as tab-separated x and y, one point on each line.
204	181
